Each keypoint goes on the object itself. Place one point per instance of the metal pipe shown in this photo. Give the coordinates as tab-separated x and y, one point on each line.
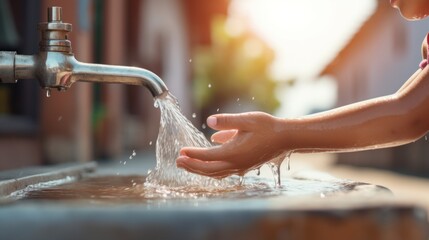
56	67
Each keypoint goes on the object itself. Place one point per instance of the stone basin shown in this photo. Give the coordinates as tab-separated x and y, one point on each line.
70	202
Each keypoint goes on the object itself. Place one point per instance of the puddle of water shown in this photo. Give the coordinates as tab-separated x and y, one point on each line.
114	189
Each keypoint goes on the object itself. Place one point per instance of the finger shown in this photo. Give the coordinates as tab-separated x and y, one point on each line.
211	169
228	121
205	154
223	136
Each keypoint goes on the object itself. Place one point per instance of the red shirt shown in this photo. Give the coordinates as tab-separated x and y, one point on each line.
424	62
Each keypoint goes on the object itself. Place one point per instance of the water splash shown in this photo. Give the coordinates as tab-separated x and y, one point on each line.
176	132
132	155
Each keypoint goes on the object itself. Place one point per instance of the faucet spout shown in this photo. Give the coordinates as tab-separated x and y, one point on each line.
88	72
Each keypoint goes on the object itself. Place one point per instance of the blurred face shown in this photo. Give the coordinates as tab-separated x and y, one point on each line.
412	9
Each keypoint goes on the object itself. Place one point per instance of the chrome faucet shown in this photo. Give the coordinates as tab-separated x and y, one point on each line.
56	67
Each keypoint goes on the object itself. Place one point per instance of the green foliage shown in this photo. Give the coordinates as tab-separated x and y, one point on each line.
234	66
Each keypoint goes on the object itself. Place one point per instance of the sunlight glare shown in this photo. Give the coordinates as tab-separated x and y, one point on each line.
305	34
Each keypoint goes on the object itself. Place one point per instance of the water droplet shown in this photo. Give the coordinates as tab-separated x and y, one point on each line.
190	60
322	195
203	126
241	180
150	143
48	92
125	162
253	98
134	153
288	161
155	104
210	85
134	184
426	138
149	171
194	115
131	157
238	99
275	168
217	110
60	118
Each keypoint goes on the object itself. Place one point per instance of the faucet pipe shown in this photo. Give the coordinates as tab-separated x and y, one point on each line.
56	67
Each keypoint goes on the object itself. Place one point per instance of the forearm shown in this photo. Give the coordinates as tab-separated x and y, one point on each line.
355	127
382	122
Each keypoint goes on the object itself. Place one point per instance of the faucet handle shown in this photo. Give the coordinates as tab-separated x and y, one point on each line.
54	14
54	32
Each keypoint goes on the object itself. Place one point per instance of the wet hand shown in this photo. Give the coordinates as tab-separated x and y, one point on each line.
247	141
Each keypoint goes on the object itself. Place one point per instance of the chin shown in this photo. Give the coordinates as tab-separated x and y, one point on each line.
412	17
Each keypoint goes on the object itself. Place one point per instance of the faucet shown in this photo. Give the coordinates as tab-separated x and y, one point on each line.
56	67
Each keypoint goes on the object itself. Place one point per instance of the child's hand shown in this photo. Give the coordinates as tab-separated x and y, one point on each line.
247	141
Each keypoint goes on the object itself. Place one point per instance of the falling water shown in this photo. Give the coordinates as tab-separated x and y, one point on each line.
258	171
176	132
275	164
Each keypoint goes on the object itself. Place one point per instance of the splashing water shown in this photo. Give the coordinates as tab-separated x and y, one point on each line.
176	132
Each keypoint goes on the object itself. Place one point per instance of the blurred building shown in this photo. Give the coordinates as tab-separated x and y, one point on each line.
91	121
377	60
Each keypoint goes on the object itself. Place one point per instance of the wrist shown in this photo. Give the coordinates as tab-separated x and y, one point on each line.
286	133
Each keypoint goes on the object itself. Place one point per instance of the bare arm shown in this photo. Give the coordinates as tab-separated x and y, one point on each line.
251	139
387	121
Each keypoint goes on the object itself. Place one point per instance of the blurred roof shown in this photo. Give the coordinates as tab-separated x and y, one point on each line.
199	15
368	27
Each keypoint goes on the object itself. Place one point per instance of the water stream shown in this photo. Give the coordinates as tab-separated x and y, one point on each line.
176	132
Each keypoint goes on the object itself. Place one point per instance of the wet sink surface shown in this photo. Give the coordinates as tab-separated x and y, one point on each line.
102	205
132	189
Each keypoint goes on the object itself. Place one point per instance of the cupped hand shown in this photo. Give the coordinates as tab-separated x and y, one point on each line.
247	140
